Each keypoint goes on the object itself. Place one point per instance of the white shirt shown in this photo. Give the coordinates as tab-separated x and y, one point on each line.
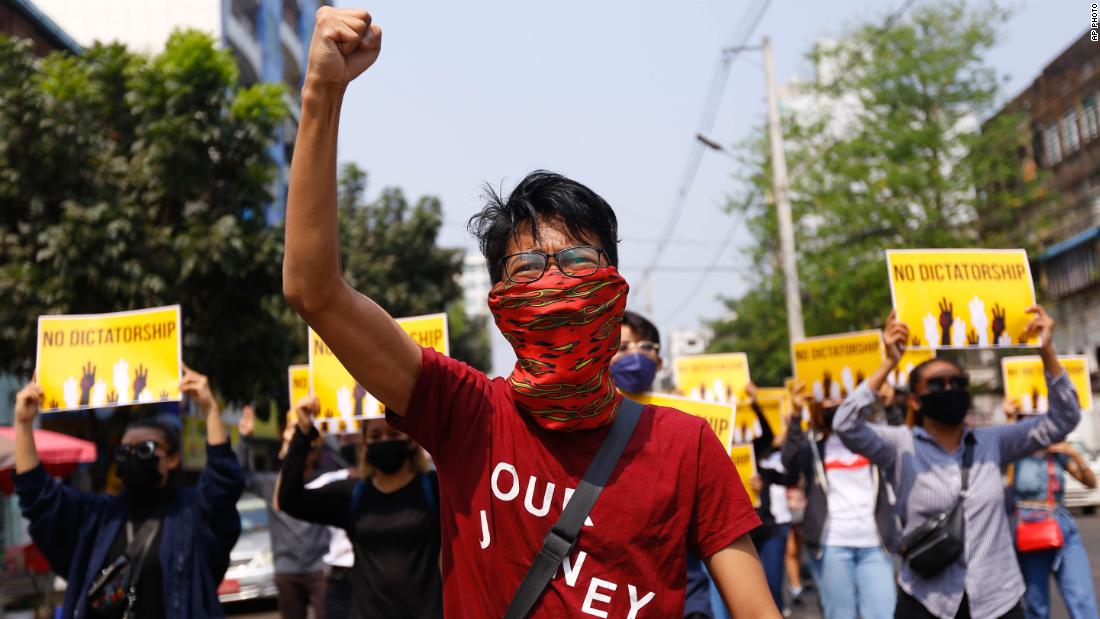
340	553
777	494
851	519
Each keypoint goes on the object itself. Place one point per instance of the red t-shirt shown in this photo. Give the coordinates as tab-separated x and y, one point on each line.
503	480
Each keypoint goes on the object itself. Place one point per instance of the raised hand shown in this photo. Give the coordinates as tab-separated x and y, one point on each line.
998	325
248	421
70	392
958	332
163	395
750	391
121	381
306	409
972	337
141	378
1042	325
894	335
915	340
980	322
112	397
27	402
847	379
197	386
344	44
931	331
358	393
947	316
87	381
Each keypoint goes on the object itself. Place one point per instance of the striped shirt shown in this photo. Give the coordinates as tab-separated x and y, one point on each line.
927	480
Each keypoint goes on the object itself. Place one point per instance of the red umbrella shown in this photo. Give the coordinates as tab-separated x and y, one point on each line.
59	453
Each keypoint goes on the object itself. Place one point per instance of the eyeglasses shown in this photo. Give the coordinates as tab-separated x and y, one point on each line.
529	266
143	450
644	346
940	383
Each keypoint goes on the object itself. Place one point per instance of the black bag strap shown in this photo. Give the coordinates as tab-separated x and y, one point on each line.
563	535
968	459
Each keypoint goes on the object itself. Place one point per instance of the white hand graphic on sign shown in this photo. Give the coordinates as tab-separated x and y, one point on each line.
1004	340
99	394
958	332
145	397
848	380
979	320
121	381
1026	404
931	331
1042	404
819	391
344	403
834	391
70	392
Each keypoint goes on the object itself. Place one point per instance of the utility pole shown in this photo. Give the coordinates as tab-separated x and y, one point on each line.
782	201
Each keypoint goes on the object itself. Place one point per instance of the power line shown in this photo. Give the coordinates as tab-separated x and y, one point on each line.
753	15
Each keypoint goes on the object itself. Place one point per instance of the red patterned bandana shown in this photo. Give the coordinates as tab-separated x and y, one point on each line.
565	330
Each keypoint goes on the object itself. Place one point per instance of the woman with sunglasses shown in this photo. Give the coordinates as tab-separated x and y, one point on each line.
157	550
926	462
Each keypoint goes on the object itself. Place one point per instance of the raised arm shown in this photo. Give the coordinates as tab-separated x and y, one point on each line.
878	443
326	505
767	433
53	509
1024	437
377	352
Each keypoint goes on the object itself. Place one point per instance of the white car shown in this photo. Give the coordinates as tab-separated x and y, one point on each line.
251	573
1076	494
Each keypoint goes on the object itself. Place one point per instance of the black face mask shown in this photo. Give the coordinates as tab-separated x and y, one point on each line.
388	456
349	454
947	407
140	476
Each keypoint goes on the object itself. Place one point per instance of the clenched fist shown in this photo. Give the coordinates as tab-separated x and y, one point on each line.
344	44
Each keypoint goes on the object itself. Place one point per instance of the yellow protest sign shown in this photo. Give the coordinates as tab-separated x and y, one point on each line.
719	416
342	399
1026	386
911	358
833	365
102	360
297	380
962	298
776	404
744	459
713	378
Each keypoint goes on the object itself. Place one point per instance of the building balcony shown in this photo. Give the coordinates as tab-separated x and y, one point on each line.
240	38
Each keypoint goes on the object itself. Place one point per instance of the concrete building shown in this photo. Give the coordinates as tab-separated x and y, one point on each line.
475	286
1061	140
23	20
268	38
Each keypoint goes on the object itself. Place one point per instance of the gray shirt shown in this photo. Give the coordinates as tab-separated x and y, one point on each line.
927	480
297	546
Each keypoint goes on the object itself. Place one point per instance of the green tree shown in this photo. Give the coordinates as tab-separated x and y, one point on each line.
389	253
885	151
129	181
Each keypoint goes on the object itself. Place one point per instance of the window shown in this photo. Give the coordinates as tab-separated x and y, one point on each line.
1071	137
1072	271
1092	122
1051	148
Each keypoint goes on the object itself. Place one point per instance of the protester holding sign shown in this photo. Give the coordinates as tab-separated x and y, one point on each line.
511	452
956	542
158	550
390	513
848	524
1038	487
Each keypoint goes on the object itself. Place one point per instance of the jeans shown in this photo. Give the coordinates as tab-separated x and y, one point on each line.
338	594
1070	566
851	580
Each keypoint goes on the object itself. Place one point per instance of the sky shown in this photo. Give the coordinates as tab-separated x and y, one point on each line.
609	93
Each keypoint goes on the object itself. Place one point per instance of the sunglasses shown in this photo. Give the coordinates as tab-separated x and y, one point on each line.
942	383
143	451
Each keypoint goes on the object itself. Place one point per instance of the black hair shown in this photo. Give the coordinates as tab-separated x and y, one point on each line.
170	432
917	373
540	197
641	326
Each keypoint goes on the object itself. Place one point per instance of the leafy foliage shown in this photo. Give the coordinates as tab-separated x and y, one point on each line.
885	151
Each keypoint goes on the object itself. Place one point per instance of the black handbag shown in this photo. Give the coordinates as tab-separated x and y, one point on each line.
941	539
113	592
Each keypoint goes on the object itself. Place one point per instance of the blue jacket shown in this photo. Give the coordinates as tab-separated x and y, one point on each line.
74	531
